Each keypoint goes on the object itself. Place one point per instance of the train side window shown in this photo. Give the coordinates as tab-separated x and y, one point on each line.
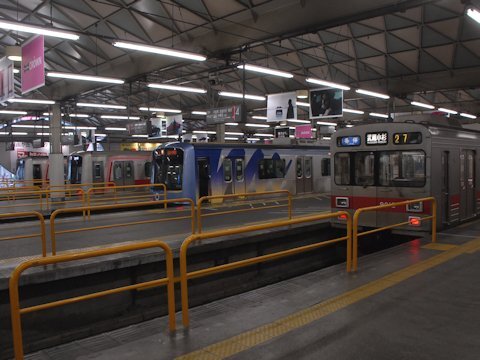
326	167
227	170
97	171
279	165
271	168
299	168
239	169
364	168
402	168
308	168
341	164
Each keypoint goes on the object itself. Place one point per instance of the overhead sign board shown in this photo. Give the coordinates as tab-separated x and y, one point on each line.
33	64
225	114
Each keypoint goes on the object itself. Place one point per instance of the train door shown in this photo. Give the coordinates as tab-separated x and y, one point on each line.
299	174
467	184
37	174
98	175
203	170
303	173
445	200
234	175
123	173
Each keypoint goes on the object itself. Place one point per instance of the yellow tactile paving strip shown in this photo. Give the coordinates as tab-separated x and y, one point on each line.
249	339
438	246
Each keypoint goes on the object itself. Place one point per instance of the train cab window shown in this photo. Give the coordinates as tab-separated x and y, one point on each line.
227	170
364	168
326	167
168	168
402	168
239	169
342	168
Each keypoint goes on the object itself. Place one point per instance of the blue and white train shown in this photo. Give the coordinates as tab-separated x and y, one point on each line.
194	170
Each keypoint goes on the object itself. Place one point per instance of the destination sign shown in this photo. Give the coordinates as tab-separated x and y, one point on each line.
407	138
348	141
377	138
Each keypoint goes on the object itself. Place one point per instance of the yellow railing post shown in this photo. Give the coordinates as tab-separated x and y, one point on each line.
434	219
199	214
289	205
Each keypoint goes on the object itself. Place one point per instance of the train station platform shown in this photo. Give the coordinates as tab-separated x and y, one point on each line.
416	300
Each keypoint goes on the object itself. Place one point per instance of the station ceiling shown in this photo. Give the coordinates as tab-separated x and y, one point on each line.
428	51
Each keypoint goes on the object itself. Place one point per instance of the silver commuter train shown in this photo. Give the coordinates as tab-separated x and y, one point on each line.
382	163
194	170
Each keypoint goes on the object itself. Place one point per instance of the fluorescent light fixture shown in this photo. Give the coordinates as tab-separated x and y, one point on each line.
353	111
103	106
231	123
234	133
14	58
326	138
19	133
231	138
120	117
384	116
470	116
327	83
302	96
140	136
372	93
253	139
40	30
426	106
178	88
71	115
265	70
259	117
4	133
263	135
63	75
474	14
257	125
159	50
80	127
199	113
154	109
299	121
13	112
326	123
204	132
16	71
300	103
100	135
448	111
349	126
30	126
116	129
31	101
240	95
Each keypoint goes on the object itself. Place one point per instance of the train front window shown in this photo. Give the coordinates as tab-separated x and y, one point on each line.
364	168
342	168
168	168
402	168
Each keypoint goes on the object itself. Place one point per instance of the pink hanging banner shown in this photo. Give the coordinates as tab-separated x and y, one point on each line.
303	131
33	64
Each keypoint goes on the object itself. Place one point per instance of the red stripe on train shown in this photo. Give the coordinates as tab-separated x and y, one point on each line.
357	202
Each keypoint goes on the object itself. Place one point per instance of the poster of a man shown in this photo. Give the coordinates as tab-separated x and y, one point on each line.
326	103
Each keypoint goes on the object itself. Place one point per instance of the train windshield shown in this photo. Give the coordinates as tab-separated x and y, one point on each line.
381	168
168	168
75	170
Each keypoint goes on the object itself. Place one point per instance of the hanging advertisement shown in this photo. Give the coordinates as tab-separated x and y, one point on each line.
281	132
232	113
281	107
139	128
326	103
7	90
158	128
303	131
33	64
174	125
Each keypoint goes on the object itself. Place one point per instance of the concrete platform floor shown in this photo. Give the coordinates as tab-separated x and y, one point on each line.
413	301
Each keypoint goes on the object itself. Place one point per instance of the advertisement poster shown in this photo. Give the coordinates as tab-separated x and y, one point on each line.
158	128
174	125
281	107
33	64
326	103
303	131
6	80
282	132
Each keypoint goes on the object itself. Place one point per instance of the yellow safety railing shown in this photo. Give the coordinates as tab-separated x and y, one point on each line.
185	275
356	234
243	196
56	213
9	192
41	234
17	311
122	193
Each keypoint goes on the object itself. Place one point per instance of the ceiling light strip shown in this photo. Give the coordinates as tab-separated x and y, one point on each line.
372	93
265	70
177	88
159	50
70	76
15	26
327	83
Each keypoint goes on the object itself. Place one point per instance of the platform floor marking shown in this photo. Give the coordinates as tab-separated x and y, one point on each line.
438	246
262	334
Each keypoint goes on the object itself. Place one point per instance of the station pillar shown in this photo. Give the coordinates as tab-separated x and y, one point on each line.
220	128
56	168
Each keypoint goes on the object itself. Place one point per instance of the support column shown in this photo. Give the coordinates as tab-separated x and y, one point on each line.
220	128
56	170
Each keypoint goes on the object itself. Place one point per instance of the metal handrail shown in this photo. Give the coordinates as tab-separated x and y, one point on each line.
16	311
42	228
185	276
358	212
124	187
84	209
230	196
